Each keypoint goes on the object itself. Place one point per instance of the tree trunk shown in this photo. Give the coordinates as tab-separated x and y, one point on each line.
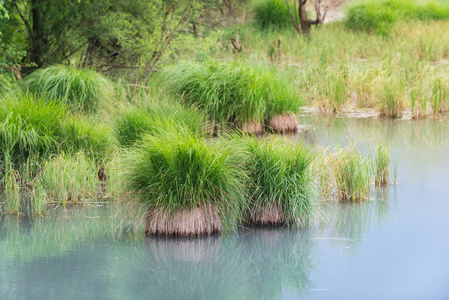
305	23
37	38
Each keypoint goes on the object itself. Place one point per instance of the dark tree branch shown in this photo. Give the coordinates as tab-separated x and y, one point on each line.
157	54
27	25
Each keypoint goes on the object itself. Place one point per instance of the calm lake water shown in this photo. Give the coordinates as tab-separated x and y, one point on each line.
395	246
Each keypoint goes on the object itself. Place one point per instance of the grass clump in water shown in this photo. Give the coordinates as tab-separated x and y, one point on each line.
234	93
382	165
380	15
190	186
134	123
272	14
352	173
82	90
281	190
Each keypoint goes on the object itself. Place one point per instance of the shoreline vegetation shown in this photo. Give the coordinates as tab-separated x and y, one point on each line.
185	181
198	143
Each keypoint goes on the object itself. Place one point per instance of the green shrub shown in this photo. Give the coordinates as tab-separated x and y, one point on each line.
29	126
82	90
178	170
272	14
280	180
380	15
132	124
232	92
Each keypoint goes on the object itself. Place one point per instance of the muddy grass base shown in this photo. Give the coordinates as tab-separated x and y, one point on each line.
202	220
283	123
270	214
252	128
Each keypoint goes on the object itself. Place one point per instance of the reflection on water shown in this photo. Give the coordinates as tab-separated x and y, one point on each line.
401	134
353	220
56	256
395	239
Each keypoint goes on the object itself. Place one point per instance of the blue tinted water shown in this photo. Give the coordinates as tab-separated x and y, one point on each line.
395	246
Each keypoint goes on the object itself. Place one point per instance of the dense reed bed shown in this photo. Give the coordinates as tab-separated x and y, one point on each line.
236	93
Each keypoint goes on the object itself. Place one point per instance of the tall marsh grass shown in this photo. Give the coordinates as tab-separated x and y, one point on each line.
19	188
391	104
80	89
440	95
352	174
69	178
61	179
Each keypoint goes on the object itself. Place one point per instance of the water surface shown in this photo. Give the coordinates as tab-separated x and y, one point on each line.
395	246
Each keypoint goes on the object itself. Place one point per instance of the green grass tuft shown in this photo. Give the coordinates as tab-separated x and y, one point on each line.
29	126
232	92
178	170
134	123
82	90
